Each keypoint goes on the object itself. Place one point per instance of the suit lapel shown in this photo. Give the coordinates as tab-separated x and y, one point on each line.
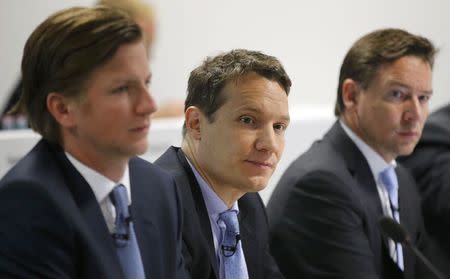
407	220
201	209
145	228
360	170
248	238
358	167
97	232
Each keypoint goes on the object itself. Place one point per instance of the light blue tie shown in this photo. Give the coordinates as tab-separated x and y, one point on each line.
125	237
231	247
389	179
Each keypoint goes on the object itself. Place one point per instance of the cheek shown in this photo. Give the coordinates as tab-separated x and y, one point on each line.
280	145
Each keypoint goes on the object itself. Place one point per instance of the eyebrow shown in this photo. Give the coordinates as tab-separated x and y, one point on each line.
285	117
401	84
119	79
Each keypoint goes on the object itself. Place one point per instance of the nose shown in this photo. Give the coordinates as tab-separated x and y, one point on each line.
268	140
145	103
415	110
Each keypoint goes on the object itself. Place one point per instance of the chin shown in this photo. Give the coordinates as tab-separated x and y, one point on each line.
257	184
138	150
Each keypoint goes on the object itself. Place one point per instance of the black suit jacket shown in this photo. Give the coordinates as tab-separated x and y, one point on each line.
198	246
52	225
430	165
324	216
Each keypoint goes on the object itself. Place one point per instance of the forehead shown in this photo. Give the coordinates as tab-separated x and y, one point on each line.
254	92
129	59
409	71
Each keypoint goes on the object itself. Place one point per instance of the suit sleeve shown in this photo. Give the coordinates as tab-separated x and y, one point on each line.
35	240
321	232
271	270
435	198
182	272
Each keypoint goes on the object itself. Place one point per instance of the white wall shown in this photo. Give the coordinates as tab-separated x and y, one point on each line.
14	144
310	37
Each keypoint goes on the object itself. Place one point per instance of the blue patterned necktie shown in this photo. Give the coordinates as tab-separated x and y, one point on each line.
125	237
231	247
389	179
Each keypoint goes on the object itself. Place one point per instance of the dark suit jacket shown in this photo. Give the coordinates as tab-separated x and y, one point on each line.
430	165
324	215
52	225
198	246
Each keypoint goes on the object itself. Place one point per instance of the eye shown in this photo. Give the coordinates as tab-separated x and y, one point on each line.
147	83
396	94
424	99
121	89
246	120
280	127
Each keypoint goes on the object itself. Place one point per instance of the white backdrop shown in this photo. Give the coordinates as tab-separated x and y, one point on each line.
309	37
14	144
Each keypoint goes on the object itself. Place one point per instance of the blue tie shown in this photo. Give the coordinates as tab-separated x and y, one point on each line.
125	237
231	247
389	179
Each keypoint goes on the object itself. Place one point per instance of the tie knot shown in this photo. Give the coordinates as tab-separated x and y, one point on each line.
230	219
119	198
389	179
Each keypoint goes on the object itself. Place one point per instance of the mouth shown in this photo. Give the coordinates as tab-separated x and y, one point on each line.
409	134
140	129
260	164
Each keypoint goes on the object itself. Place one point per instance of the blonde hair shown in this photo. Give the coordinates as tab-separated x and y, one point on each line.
140	11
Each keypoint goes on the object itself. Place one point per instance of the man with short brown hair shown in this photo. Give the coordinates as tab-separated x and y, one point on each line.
236	113
325	211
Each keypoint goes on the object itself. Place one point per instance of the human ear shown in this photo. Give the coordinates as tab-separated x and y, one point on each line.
192	117
61	108
350	94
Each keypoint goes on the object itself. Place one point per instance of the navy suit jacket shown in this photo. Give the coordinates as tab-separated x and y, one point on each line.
198	246
52	225
324	216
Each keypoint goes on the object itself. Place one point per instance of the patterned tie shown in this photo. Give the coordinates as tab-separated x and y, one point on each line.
231	248
389	179
125	237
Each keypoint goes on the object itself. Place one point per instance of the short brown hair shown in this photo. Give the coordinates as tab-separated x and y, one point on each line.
376	49
62	52
207	80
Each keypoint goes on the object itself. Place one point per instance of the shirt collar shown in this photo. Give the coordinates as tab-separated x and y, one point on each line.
214	204
100	184
376	163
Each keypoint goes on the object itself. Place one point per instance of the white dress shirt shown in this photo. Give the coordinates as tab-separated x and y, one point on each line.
102	187
215	206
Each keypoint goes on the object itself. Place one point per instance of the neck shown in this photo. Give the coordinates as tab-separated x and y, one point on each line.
353	124
109	166
228	194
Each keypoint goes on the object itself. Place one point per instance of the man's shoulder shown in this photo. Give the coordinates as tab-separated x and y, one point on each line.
144	167
320	158
38	166
169	158
174	163
251	201
437	131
